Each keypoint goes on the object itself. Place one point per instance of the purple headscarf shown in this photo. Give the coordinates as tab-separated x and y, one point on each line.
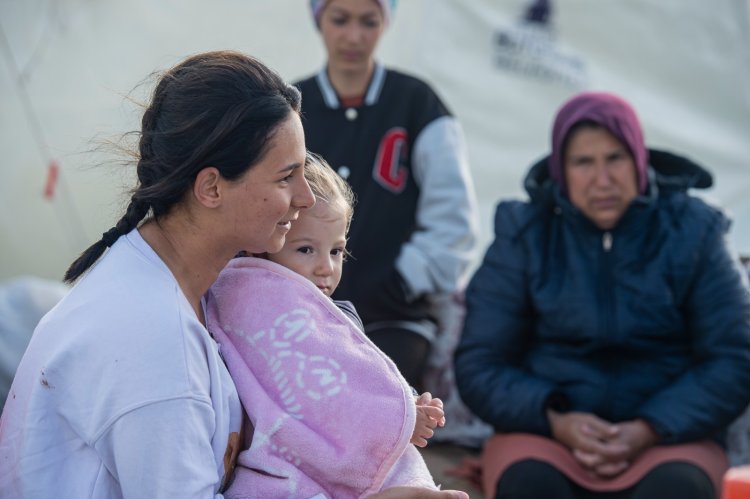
387	6
609	111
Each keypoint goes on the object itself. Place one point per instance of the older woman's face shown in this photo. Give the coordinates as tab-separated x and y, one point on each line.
600	175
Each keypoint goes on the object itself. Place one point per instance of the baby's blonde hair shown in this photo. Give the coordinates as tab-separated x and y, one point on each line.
328	186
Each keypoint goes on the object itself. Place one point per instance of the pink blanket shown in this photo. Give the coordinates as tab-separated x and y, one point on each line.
331	415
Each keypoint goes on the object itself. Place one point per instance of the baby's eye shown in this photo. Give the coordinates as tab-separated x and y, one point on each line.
338	252
305	250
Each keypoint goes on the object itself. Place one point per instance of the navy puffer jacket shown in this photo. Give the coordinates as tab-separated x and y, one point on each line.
649	320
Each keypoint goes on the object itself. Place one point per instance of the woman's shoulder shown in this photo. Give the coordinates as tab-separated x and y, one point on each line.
305	81
408	80
515	216
129	282
692	214
412	87
138	318
129	308
130	343
676	175
312	93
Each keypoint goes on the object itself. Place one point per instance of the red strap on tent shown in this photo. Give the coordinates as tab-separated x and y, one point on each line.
53	171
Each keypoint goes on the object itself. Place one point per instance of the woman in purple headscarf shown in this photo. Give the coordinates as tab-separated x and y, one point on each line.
607	336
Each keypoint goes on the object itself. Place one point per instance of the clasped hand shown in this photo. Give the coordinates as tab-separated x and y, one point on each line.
605	449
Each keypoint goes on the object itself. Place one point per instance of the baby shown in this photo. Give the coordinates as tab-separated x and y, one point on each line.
331	416
315	248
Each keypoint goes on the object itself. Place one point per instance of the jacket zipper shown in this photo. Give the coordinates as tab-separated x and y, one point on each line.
607	322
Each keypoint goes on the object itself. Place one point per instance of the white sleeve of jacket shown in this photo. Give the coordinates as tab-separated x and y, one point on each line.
439	252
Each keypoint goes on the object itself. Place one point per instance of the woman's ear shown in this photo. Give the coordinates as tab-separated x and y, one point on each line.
207	187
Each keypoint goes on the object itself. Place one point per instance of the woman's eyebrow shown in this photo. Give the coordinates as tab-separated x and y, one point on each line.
289	168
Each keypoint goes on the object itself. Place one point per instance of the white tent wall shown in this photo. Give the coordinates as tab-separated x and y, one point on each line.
503	67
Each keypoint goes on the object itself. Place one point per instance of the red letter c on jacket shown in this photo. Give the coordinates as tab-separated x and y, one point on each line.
388	170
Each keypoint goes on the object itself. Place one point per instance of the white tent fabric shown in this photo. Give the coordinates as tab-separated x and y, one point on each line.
503	68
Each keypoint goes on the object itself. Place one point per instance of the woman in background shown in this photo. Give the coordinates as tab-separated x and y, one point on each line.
607	336
403	153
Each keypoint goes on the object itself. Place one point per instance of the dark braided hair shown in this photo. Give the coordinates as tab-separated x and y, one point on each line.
217	109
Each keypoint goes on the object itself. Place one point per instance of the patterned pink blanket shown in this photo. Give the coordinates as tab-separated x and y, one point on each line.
331	415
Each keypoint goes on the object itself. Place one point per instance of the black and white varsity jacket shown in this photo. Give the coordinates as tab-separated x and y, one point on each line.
415	225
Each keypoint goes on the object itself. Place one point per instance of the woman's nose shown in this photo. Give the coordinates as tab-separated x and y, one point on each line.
352	33
303	197
602	175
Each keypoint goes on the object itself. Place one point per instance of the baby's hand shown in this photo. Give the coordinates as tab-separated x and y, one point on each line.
429	415
426	399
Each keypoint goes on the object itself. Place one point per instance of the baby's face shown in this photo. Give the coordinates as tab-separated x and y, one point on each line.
315	246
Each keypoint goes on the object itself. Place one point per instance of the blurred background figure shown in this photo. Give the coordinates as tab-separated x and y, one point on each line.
607	333
391	137
23	302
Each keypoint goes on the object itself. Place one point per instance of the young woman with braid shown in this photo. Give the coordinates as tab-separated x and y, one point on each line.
122	392
307	373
